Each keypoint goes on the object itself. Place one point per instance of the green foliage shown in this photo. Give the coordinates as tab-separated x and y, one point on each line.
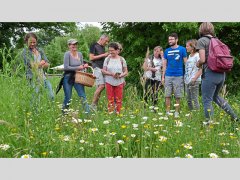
90	34
13	33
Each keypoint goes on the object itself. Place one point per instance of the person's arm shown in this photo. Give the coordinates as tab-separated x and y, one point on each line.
185	60
164	70
44	63
124	69
125	72
202	59
105	72
93	57
197	75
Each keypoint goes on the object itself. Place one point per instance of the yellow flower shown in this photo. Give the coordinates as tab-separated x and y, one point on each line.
44	153
123	126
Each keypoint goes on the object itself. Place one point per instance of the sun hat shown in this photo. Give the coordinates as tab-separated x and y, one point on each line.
72	41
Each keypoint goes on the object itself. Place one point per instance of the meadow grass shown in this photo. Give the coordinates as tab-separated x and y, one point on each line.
39	130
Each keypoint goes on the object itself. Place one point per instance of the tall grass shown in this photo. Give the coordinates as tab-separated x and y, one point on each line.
41	131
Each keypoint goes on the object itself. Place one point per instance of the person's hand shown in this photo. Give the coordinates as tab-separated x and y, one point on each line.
193	81
121	75
41	64
80	67
86	65
106	54
198	64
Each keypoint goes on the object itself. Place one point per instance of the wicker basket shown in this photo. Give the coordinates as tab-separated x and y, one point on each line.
86	79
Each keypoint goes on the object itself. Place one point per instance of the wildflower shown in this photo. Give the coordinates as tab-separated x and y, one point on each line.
222	134
44	153
151	107
172	110
213	155
165	118
118	156
4	147
188	156
176	105
146	147
82	148
225	151
179	123
145	118
101	144
155	108
160	114
94	129
120	142
135	125
187	146
162	138
187	115
133	135
66	138
160	118
123	126
154	119
127	122
82	141
26	156
106	122
155	132
170	114
50	152
113	133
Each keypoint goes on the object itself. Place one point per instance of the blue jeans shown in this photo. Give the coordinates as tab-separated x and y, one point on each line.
47	85
67	87
211	85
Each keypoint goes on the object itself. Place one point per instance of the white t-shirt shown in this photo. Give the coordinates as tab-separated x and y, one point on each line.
114	66
191	69
157	62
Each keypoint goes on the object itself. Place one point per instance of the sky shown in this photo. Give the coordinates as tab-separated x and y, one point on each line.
92	23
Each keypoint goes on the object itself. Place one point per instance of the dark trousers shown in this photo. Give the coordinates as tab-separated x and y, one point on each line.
151	90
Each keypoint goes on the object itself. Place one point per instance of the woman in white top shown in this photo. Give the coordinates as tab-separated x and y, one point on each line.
192	77
115	69
153	74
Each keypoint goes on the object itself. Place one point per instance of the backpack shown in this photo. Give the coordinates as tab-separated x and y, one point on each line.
219	57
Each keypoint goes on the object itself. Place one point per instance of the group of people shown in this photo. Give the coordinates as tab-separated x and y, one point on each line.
109	69
168	69
162	69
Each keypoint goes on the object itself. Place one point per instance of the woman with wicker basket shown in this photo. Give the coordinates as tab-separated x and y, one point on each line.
73	61
115	69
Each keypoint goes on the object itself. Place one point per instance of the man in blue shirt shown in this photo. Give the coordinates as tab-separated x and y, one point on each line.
174	57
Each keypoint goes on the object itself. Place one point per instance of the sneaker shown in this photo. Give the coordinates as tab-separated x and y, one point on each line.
93	107
176	114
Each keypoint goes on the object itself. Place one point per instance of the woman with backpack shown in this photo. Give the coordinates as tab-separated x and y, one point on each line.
153	74
212	81
114	69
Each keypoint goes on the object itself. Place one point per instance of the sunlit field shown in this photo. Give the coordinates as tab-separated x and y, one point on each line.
38	129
